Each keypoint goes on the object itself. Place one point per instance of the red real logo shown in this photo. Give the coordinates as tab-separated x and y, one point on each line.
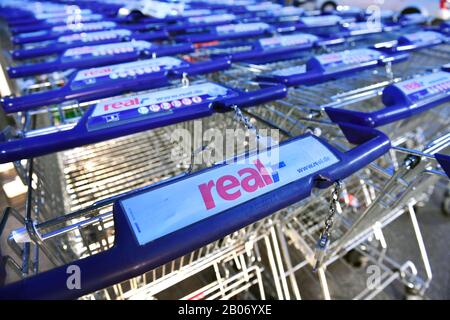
231	187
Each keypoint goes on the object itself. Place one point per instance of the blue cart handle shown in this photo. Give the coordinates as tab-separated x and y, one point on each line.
47	26
343	64
90	60
402	100
144	241
110	83
413	41
183	26
202	67
121	116
266	54
207	37
229	32
47	35
276	48
59	47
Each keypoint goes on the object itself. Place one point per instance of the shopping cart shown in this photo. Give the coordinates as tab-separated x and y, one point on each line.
334	165
360	93
86	196
308	103
349	31
235	263
100	171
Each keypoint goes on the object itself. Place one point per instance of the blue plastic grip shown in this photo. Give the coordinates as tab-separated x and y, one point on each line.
398	105
111	88
315	72
207	37
203	67
248	56
58	47
57	65
80	135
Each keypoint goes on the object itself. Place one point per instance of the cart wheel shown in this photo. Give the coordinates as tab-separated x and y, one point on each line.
2	269
412	294
328	7
356	259
446	206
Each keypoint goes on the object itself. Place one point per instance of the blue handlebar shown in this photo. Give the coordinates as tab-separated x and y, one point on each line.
57	47
55	33
64	63
103	82
46	35
276	48
402	100
122	116
227	32
331	66
44	25
413	41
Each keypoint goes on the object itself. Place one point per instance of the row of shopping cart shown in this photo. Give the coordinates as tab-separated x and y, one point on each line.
314	102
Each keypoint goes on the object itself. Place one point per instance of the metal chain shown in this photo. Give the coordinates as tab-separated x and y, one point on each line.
193	155
324	239
185	80
389	71
245	120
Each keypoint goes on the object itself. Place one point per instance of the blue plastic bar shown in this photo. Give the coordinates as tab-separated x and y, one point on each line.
111	80
126	115
87	39
330	66
100	55
402	100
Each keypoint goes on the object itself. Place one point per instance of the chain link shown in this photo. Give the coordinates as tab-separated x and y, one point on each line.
185	80
246	121
192	159
324	239
389	71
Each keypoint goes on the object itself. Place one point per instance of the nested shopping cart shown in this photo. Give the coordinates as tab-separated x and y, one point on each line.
297	45
357	99
372	145
239	262
81	191
78	179
97	172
